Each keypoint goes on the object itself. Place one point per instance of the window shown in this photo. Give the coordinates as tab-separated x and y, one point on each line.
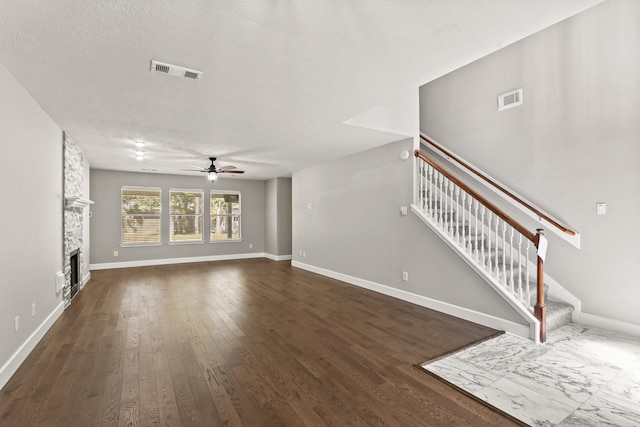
225	216
140	210
185	209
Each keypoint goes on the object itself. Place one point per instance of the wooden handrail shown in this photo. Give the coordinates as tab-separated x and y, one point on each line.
506	218
498	186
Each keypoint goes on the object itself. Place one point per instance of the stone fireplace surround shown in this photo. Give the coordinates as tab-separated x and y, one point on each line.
74	217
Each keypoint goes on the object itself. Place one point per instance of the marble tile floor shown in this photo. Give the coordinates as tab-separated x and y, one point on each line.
582	376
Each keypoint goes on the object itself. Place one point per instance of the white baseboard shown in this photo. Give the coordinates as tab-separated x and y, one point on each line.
609	324
165	261
278	257
443	307
16	359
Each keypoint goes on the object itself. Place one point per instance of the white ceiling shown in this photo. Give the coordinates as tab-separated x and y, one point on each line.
280	76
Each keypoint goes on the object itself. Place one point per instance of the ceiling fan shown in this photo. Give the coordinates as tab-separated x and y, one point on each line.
212	171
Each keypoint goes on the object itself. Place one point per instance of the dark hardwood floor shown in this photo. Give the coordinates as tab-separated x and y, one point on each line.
252	342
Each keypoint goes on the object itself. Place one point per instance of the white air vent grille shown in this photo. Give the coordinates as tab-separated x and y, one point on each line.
175	70
510	99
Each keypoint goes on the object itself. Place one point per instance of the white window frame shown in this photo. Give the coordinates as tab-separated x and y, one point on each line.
159	215
186	242
239	215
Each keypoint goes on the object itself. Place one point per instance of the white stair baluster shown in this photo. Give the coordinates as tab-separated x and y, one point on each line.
446	203
429	192
468	209
496	265
511	260
527	287
482	232
504	253
489	261
457	231
421	195
520	268
475	217
439	191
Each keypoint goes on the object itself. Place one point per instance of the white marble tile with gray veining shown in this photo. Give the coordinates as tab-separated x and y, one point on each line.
499	354
624	386
526	405
562	376
605	410
464	375
582	376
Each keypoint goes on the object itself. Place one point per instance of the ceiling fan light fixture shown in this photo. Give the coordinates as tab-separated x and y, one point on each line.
212	176
139	144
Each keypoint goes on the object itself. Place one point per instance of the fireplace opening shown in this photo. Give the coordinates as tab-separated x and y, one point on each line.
73	258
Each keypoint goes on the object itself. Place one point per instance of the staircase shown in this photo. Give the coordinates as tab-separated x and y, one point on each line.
504	253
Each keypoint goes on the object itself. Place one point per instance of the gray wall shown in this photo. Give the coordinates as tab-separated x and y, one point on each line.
278	216
572	144
284	216
271	216
86	221
105	220
354	227
31	250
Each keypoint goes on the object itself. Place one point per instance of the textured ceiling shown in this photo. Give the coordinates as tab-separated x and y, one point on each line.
280	76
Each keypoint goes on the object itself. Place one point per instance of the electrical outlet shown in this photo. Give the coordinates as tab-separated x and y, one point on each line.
33	310
405	276
250	245
115	253
601	208
17	323
304	254
403	211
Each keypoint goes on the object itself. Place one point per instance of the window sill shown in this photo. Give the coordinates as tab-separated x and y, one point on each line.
187	242
225	241
137	245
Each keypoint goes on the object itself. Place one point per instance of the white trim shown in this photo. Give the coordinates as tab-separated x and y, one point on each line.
166	261
471	262
573	240
11	366
278	257
609	324
441	306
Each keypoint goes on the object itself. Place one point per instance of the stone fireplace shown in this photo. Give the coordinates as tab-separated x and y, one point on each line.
76	218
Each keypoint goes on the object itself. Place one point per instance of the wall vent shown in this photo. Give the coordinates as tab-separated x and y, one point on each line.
175	70
510	99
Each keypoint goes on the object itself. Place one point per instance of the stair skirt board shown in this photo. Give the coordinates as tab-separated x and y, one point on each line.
520	309
524	331
558	313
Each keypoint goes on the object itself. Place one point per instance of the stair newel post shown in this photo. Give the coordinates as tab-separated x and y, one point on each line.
540	310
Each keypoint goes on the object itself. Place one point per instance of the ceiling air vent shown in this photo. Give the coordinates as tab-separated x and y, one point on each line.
510	99
175	70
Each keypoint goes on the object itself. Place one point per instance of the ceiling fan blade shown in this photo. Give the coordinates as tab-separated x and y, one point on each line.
228	171
224	168
193	170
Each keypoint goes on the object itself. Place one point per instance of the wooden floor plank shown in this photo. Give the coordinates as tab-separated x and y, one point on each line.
240	343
